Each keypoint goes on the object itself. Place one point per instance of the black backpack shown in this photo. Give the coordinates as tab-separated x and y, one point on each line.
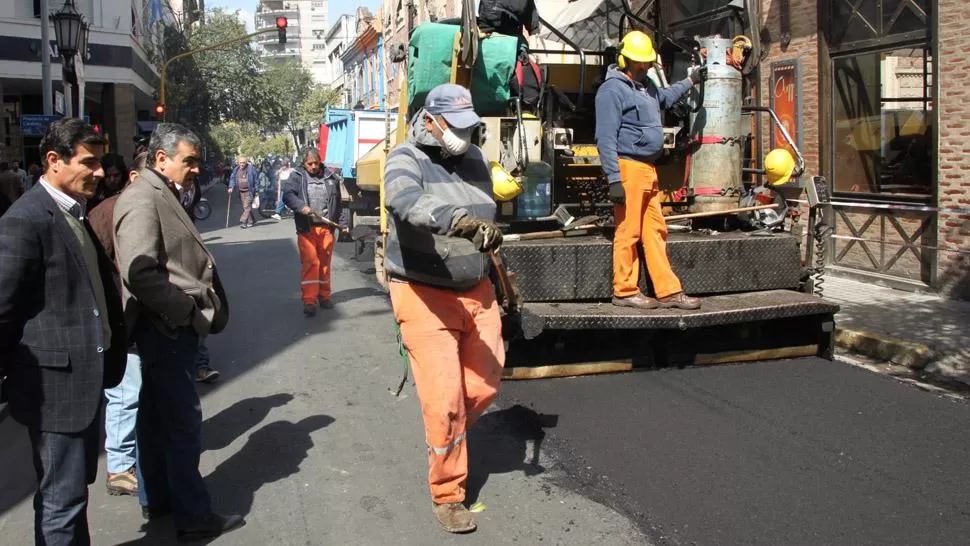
526	82
508	16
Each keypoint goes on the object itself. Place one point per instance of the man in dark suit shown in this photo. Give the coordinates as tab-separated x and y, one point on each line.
62	334
173	298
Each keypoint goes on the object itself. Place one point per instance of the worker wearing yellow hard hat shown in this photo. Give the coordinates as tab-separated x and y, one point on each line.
779	166
629	138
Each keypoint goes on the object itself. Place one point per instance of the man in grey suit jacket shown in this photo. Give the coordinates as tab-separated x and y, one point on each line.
173	298
62	336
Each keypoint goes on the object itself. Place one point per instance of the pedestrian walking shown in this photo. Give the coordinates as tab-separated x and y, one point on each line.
313	194
245	178
281	176
121	409
174	299
629	137
438	194
62	334
10	187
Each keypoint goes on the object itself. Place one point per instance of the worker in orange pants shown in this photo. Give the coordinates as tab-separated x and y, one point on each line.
438	196
312	192
629	138
316	251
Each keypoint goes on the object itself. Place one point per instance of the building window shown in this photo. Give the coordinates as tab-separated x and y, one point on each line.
882	128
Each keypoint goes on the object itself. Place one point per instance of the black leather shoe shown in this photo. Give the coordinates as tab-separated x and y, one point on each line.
213	526
149	514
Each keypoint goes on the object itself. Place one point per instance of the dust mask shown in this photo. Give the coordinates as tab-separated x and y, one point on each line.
452	142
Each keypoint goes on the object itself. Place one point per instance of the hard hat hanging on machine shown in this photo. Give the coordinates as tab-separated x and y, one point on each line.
779	166
637	47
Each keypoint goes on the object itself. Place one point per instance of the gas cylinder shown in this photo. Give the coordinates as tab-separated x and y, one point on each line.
715	165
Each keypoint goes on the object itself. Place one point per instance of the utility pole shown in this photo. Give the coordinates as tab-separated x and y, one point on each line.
47	84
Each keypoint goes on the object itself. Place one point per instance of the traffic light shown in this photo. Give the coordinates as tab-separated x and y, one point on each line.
159	110
281	29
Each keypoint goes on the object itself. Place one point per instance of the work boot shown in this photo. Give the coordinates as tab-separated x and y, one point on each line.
309	309
637	301
123	483
325	303
680	301
454	517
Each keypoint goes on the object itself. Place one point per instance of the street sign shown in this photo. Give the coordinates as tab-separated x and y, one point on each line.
35	125
31	125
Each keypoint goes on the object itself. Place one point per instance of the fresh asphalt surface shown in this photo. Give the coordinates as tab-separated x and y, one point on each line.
302	436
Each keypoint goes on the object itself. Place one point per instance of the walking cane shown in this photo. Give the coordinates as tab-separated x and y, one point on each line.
228	207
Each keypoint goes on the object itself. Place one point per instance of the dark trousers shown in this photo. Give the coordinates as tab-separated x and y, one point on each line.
169	426
65	465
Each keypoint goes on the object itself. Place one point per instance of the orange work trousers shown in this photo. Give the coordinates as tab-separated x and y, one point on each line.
316	251
454	341
641	220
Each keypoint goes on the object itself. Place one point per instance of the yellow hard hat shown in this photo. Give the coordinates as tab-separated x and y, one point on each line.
636	46
779	165
504	186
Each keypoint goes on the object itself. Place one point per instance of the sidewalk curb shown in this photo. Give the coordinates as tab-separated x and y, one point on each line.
884	348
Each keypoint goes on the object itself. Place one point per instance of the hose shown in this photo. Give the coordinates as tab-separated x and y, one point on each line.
822	232
402	350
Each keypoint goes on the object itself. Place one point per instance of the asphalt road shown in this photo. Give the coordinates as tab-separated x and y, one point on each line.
302	436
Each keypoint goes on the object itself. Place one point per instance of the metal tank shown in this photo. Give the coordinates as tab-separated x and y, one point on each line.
715	165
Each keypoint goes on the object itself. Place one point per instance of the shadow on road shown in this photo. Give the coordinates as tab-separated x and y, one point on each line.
500	442
272	453
221	429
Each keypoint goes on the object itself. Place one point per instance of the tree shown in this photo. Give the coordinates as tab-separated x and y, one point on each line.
311	110
286	86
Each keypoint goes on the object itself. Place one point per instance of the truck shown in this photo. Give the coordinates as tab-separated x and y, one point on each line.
346	136
748	249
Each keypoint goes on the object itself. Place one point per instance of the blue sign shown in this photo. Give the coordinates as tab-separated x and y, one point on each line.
36	125
31	125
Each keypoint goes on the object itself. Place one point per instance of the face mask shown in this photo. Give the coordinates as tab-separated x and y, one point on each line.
454	143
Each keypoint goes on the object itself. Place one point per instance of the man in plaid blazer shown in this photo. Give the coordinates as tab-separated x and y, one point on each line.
62	333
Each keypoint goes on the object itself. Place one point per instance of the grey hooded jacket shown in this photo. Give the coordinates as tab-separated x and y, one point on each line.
425	192
628	120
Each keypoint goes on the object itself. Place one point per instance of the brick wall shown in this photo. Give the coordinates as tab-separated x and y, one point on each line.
804	47
954	145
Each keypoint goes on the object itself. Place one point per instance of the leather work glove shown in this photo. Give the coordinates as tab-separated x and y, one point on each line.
483	234
698	74
617	195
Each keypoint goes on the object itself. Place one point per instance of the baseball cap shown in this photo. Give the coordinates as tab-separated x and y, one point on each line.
454	103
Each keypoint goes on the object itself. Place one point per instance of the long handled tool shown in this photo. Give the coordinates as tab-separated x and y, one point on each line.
718	212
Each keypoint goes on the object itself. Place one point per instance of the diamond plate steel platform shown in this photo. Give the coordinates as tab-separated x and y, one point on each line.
581	268
715	311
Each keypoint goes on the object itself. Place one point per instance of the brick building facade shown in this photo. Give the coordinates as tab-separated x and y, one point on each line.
874	119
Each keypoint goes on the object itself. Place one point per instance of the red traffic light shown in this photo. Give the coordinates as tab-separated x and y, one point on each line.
159	109
281	22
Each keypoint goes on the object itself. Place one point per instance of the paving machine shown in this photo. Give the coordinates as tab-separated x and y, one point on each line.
735	241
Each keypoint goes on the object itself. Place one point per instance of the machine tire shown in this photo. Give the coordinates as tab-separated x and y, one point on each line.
379	271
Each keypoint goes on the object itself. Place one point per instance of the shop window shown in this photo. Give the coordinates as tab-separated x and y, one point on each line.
883	106
854	23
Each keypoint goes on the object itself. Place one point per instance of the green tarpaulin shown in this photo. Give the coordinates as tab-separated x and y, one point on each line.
429	65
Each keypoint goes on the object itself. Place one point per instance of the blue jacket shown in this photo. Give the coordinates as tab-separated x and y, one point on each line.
252	177
628	120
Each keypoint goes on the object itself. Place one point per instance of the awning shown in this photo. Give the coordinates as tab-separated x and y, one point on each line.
591	24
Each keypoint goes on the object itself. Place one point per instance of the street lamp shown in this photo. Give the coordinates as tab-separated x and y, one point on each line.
69	29
71	34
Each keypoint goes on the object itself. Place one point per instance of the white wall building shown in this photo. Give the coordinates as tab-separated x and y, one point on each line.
120	79
340	36
306	28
